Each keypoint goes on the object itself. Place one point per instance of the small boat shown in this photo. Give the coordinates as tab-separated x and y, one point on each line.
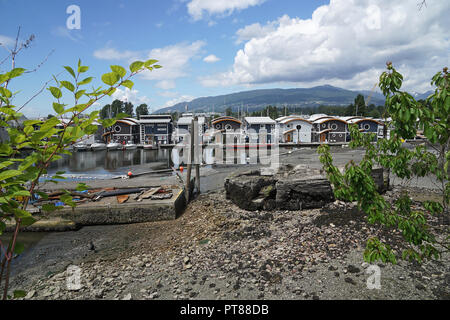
113	146
98	146
80	147
130	146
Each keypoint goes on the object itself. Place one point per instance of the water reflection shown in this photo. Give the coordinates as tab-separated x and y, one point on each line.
110	162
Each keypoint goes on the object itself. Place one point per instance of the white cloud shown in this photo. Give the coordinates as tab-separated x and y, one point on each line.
254	31
113	54
211	59
128	95
174	60
63	32
165	84
197	8
174	101
344	42
7	41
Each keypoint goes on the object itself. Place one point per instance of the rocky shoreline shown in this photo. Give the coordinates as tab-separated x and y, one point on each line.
216	250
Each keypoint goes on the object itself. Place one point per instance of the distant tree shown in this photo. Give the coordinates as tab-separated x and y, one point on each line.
360	105
228	111
128	108
142	109
104	113
50	116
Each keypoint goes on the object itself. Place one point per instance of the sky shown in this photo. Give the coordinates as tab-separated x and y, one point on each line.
214	47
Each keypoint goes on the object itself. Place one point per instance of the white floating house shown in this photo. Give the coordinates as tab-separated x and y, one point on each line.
183	128
263	125
294	129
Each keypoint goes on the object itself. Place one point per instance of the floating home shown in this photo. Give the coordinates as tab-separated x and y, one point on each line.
294	129
259	125
183	128
155	129
368	125
329	129
227	126
123	131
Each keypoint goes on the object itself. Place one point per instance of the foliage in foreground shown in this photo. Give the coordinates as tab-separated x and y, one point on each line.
356	183
47	140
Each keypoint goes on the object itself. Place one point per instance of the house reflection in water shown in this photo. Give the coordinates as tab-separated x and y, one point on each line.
112	162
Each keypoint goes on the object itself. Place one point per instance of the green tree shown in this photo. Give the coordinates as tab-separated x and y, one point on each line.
356	183
228	111
20	175
128	109
142	109
360	105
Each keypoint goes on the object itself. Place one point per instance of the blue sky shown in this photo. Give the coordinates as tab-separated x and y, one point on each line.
217	47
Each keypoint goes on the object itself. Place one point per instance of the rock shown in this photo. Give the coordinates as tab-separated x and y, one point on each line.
30	294
127	297
353	269
350	280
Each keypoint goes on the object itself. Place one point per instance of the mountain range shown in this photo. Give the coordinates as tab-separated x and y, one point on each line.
256	99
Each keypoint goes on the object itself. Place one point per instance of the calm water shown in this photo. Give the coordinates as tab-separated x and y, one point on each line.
111	163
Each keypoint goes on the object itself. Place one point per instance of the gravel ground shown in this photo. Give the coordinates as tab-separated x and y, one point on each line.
217	251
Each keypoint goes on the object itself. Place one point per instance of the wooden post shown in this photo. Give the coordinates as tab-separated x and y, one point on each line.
190	161
197	156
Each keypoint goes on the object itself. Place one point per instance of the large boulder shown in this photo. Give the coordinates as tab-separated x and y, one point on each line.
288	189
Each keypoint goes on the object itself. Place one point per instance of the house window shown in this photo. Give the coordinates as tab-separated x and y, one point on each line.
334	126
323	125
228	127
366	126
262	126
299	127
117	129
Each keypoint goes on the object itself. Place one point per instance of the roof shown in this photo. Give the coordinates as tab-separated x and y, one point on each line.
318	116
128	121
322	120
188	120
160	120
287	120
259	120
364	119
220	119
154	116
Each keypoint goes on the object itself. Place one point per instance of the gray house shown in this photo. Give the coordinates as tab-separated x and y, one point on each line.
155	128
261	125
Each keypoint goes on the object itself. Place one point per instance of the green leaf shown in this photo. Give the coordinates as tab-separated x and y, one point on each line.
128	83
18	249
68	85
9	174
55	92
136	66
19	294
82	69
85	81
119	70
21	193
70	70
150	62
110	78
79	94
58	107
15	72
